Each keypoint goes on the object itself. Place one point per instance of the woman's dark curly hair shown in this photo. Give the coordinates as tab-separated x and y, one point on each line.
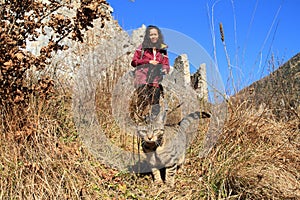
147	42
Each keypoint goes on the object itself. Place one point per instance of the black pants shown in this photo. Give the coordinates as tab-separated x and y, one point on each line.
148	95
145	98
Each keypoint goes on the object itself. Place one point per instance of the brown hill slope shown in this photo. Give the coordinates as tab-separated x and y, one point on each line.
280	90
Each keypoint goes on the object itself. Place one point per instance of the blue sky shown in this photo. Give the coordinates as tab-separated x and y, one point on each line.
254	30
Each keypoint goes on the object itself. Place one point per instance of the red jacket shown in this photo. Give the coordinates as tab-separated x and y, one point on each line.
141	63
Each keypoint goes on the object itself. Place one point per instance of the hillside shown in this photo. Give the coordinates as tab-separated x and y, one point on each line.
280	90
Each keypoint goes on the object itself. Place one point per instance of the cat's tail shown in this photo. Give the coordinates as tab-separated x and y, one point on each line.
190	125
192	117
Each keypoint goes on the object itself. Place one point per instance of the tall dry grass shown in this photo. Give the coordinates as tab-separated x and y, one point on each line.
45	159
256	157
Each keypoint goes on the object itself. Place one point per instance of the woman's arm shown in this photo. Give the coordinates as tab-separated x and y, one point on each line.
138	59
165	63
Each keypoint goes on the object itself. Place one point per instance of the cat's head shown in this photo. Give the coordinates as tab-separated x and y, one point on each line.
153	130
152	133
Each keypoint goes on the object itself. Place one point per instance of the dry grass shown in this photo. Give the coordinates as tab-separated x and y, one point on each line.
48	161
256	157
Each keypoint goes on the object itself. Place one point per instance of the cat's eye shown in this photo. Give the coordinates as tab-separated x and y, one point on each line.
157	131
142	132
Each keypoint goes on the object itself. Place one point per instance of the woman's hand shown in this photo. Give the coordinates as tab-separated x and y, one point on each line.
153	62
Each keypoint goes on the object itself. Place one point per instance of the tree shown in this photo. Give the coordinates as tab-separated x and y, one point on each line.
24	20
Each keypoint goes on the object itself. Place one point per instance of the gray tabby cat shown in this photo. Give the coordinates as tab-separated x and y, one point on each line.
165	146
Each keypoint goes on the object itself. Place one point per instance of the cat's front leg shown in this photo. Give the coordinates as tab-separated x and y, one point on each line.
157	176
170	175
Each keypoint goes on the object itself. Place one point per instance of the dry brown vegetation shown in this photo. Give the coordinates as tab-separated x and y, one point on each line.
256	157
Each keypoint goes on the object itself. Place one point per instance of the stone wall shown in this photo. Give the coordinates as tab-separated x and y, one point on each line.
181	75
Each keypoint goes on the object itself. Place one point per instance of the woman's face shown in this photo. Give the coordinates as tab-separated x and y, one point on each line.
153	35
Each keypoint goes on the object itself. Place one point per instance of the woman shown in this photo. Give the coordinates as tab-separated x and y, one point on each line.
151	62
